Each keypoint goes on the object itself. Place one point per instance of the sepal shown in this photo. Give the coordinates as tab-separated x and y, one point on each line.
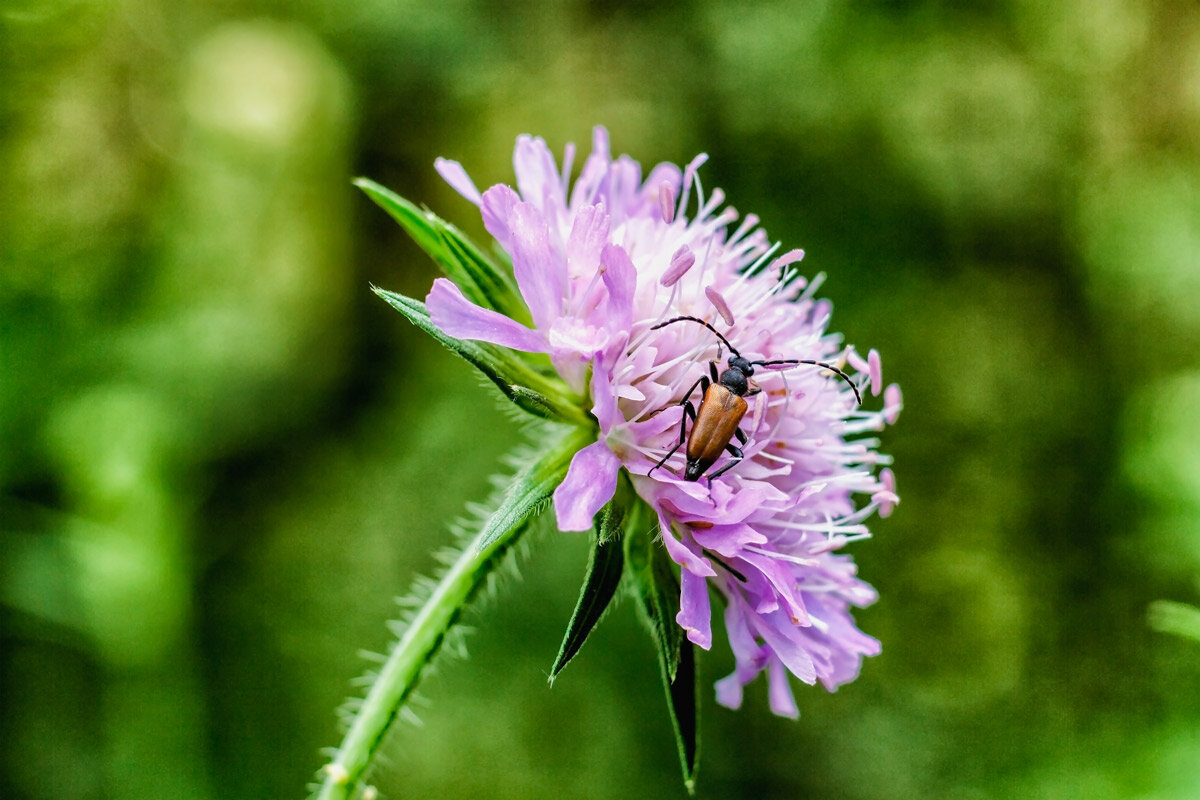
605	565
653	583
548	398
482	279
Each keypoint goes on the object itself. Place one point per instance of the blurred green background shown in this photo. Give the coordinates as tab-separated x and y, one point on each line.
221	456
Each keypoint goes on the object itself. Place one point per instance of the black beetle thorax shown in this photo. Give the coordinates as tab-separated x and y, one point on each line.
735	381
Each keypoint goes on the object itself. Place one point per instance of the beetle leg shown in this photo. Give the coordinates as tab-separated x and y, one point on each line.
689	412
712	370
733	462
737	454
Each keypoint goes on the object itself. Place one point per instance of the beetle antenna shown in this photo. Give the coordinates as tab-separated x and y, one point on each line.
830	367
732	349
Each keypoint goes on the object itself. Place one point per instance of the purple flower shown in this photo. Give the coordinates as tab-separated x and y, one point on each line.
599	264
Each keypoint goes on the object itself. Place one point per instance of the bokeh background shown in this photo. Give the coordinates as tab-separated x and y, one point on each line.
221	456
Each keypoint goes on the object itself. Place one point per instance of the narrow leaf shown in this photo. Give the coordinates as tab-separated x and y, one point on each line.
427	631
481	279
520	383
532	487
599	586
657	590
653	583
683	703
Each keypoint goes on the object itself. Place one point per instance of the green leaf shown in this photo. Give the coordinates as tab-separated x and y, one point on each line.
480	278
656	588
653	583
426	631
599	585
683	702
532	487
544	397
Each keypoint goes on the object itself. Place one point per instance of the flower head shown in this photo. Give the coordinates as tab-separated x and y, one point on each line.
601	265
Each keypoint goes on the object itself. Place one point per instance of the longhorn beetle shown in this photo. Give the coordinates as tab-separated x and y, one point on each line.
722	407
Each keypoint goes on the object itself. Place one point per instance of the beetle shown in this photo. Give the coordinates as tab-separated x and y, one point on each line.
722	407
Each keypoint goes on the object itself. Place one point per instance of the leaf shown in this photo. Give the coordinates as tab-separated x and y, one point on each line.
520	383
532	487
656	588
683	703
599	585
426	632
480	278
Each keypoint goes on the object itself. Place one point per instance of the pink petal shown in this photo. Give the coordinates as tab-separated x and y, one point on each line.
695	614
453	173
589	234
783	702
498	204
590	483
778	632
729	691
680	553
537	174
604	400
535	265
620	278
594	170
456	316
727	541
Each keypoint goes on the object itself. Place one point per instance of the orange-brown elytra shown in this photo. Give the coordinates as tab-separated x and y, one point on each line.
722	407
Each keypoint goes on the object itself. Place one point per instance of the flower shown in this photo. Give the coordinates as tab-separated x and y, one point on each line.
601	265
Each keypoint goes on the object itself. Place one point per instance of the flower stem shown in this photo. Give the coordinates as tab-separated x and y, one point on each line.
427	630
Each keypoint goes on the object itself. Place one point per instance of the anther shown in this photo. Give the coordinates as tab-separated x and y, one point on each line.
719	303
666	201
681	262
790	257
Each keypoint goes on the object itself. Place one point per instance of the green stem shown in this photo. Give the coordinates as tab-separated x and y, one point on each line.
426	632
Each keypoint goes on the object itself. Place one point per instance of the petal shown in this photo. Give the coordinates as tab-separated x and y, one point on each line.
536	266
779	634
729	691
783	702
620	277
695	614
604	401
569	336
589	234
594	170
783	581
727	541
457	316
681	554
453	173
537	174
590	483
498	204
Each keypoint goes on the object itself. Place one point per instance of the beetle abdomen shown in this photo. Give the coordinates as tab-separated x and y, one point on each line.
720	413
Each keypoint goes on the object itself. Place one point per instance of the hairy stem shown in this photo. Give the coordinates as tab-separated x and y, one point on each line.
427	630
